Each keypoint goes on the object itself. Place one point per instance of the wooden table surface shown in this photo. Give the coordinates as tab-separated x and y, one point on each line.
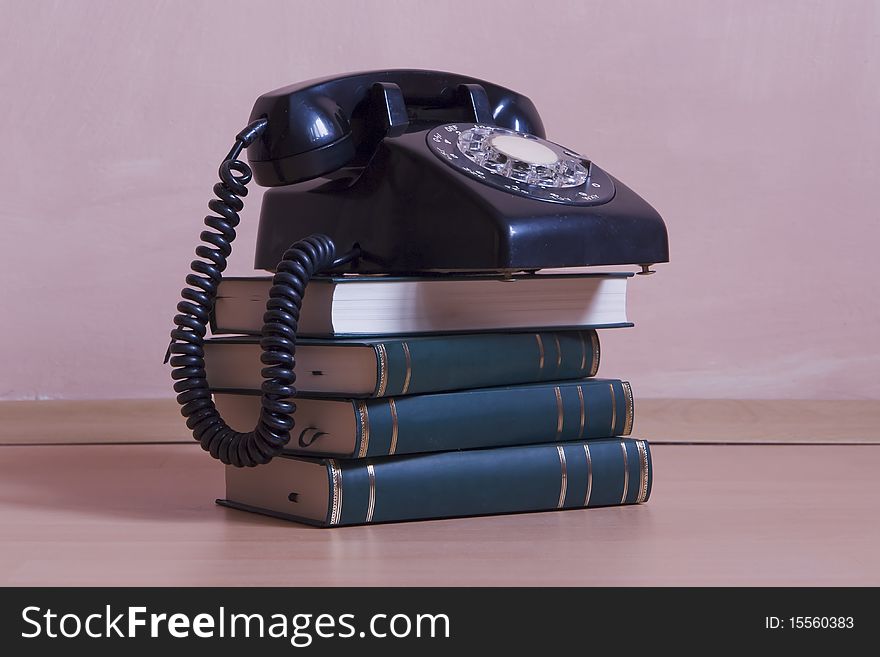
719	514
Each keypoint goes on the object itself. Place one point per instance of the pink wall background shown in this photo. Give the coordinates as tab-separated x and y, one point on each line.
752	127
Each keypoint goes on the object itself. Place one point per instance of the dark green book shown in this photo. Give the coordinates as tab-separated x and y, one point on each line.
330	493
386	367
464	419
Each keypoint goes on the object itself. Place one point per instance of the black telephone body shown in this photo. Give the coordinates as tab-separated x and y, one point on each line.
391	172
403	190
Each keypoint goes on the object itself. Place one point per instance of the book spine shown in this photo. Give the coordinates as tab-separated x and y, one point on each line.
407	367
493	417
491	481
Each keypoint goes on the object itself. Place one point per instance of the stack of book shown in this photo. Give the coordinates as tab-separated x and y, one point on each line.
425	398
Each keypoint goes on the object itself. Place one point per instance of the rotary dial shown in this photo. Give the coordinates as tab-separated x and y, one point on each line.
523	158
521	164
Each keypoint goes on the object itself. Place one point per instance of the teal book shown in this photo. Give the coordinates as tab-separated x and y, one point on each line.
555	476
389	367
464	419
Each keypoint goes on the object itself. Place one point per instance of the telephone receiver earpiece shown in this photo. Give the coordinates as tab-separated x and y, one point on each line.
318	127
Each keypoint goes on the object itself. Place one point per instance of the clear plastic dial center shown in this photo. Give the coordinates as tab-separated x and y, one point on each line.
523	158
525	150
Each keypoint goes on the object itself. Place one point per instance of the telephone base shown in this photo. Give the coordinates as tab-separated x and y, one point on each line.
409	212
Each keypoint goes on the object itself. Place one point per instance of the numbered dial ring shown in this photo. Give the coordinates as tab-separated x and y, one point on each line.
521	164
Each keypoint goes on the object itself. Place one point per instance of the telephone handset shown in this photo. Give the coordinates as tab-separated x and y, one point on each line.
391	172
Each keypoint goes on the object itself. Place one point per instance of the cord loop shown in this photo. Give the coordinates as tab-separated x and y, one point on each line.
298	265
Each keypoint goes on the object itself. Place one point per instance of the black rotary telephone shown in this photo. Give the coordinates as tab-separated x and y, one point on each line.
391	172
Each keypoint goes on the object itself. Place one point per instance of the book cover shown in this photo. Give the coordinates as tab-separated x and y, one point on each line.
466	419
412	365
331	493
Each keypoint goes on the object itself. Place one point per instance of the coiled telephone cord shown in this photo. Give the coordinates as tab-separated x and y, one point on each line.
298	265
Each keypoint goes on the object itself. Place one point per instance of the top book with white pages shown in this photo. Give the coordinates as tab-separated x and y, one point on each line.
376	305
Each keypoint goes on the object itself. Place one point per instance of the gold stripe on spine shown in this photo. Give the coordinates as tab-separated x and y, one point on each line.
594	342
625	474
583	412
643	471
560	412
563	486
589	475
364	419
540	351
558	352
336	479
583	351
393	408
371	504
383	369
408	376
628	418
613	410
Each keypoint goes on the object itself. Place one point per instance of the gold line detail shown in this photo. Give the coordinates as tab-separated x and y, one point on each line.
643	471
364	419
408	377
613	409
336	479
563	486
583	411
583	351
383	368
625	473
589	474
558	352
540	351
371	504
594	341
628	418
560	412
393	407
